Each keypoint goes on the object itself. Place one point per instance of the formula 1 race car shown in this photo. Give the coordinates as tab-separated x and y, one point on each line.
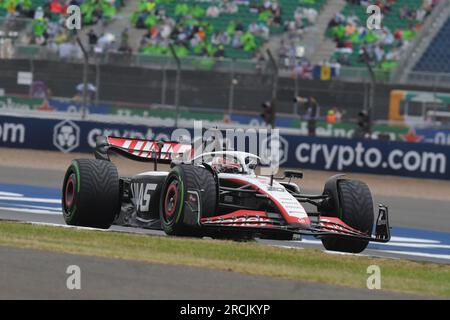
216	194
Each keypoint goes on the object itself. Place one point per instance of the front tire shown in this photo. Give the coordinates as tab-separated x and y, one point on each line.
356	211
91	193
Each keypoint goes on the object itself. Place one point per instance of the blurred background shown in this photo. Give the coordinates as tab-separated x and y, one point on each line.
309	67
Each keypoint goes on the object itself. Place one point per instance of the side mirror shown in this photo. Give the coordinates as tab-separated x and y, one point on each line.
293	174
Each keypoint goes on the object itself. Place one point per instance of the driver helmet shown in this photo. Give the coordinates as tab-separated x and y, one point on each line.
223	164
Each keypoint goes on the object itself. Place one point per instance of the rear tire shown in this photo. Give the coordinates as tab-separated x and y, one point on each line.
91	193
356	211
175	192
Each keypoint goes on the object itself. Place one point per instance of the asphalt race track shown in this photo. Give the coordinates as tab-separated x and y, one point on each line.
39	274
421	231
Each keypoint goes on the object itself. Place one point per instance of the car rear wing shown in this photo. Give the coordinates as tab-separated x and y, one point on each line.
143	150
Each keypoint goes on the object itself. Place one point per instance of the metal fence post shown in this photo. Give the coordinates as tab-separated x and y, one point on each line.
177	83
373	81
274	65
85	78
365	83
164	83
32	72
296	93
97	79
274	85
232	84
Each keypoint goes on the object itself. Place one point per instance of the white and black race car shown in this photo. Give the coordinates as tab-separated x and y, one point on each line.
218	195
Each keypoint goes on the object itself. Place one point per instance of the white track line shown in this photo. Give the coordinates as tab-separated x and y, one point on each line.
10	194
28	199
28	210
18	205
419	254
380	252
65	226
416	240
414	245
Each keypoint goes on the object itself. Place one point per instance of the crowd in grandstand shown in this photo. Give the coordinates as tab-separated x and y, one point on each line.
192	28
356	43
92	10
48	17
230	28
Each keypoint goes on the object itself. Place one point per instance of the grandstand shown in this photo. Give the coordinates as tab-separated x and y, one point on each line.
232	29
437	57
47	16
248	25
53	9
241	30
402	21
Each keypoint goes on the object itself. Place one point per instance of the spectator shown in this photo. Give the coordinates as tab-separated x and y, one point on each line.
213	11
229	6
248	41
378	53
39	13
331	116
92	38
268	113
56	7
181	9
312	114
124	45
39	28
363	125
339	114
236	40
220	53
304	70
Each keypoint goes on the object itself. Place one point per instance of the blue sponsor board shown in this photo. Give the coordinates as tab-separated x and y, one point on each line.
68	135
436	136
368	156
335	154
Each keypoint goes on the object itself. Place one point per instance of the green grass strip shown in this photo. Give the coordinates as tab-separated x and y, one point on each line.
250	258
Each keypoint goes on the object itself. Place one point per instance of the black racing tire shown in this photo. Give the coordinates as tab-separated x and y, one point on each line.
182	178
356	211
91	193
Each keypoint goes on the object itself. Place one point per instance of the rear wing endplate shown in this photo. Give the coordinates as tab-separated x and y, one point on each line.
143	150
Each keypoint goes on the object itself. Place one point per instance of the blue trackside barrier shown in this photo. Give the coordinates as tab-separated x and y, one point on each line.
421	160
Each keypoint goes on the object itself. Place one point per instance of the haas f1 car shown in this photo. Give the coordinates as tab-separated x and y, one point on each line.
218	195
